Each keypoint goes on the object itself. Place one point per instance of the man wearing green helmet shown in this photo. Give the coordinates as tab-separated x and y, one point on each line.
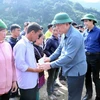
92	47
70	55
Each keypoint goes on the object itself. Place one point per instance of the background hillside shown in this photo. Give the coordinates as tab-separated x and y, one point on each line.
95	4
41	11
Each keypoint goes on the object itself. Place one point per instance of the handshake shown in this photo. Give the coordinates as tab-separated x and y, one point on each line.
43	64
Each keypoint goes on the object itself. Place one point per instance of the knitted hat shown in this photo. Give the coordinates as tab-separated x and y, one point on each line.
2	24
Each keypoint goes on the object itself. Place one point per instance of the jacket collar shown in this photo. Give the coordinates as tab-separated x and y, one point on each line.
69	31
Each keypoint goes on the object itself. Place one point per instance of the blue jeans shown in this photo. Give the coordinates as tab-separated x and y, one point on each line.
75	87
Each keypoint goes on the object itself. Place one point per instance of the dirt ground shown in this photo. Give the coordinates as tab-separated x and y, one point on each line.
62	90
63	93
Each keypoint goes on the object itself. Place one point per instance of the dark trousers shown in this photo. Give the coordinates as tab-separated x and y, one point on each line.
52	75
75	87
28	94
93	72
15	94
5	96
61	77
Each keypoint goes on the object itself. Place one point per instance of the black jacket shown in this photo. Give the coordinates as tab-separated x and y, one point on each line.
51	45
38	54
12	41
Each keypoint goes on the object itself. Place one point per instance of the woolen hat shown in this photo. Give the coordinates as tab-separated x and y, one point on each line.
89	17
61	18
2	24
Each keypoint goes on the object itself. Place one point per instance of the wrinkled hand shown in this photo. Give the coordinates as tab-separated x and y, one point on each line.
14	87
45	66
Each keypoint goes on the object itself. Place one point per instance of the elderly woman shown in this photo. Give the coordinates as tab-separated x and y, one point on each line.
7	69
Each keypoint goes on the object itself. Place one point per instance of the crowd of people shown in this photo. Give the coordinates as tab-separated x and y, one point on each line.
67	51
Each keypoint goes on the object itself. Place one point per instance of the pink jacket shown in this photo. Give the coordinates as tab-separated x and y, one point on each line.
7	68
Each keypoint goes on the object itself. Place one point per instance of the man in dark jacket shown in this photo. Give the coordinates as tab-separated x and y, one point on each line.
15	32
51	45
92	48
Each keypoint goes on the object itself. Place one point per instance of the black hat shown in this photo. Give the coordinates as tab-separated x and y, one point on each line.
49	25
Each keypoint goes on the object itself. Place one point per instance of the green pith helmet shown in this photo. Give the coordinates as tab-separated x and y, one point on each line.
89	17
61	18
3	25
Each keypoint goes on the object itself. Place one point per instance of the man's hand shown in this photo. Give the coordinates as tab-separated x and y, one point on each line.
38	69
46	59
45	66
14	87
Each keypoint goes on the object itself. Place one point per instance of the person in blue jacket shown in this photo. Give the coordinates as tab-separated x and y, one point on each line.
70	55
92	48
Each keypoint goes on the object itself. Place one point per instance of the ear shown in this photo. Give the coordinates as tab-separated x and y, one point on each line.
32	32
12	30
67	24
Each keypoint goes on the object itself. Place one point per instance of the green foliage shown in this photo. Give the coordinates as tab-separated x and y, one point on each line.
41	11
